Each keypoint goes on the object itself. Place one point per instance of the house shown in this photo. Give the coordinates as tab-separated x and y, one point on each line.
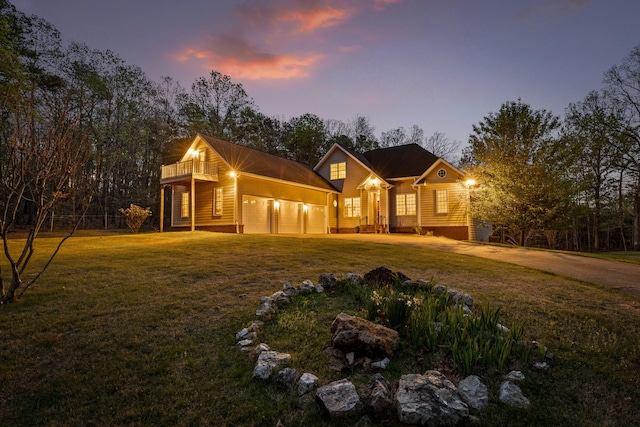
221	186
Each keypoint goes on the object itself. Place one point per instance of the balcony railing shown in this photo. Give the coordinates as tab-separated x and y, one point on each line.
191	168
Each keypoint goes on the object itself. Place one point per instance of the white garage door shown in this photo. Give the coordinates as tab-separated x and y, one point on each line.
316	219
256	215
290	218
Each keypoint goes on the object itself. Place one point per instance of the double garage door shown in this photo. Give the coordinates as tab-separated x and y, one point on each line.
262	215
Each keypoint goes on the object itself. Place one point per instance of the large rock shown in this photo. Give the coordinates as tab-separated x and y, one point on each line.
474	393
353	334
327	280
270	361
340	399
429	399
383	276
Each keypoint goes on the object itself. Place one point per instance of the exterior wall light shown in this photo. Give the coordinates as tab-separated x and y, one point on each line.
276	204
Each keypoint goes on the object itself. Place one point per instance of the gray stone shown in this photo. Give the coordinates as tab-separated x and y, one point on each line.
340	399
429	399
256	325
541	366
265	309
515	376
270	361
245	343
350	333
353	278
290	290
260	348
440	289
381	364
319	289
473	392
280	298
307	287
242	334
327	280
351	357
378	395
307	383
286	376
511	394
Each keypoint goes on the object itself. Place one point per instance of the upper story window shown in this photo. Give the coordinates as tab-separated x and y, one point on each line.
442	173
338	170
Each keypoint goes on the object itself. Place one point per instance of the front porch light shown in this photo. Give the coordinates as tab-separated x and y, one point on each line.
233	174
305	208
470	182
276	204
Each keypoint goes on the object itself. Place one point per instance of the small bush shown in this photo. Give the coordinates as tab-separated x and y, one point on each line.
134	216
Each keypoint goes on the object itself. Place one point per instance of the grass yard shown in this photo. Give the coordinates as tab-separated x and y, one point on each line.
139	330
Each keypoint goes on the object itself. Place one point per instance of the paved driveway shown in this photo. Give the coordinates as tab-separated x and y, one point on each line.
614	274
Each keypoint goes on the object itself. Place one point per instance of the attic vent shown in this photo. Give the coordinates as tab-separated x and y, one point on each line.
442	173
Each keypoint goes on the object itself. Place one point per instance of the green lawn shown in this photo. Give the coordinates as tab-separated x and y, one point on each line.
139	330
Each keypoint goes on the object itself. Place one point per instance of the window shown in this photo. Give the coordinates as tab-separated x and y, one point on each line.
185	205
442	173
352	207
217	201
442	202
406	204
338	170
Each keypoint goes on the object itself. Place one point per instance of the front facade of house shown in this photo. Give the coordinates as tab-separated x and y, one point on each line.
221	186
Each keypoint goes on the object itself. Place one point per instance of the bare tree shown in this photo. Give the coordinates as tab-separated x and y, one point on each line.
440	145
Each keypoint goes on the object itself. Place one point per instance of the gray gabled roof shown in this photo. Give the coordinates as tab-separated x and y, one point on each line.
410	160
247	160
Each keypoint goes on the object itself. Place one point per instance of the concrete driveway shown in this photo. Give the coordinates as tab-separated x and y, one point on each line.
613	274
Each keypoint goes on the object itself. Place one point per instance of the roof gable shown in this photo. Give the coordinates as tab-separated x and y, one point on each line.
352	153
400	161
247	160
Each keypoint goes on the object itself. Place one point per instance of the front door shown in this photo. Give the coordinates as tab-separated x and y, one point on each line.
374	207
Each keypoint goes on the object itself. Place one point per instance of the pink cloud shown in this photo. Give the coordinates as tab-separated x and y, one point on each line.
277	39
236	57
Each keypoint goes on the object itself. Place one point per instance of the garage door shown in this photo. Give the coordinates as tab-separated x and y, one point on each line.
316	219
290	218
256	215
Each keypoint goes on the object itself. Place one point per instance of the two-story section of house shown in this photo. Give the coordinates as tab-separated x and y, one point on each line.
397	189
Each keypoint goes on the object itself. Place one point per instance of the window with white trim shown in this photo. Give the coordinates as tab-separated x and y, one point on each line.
184	206
338	170
352	207
442	202
406	204
217	201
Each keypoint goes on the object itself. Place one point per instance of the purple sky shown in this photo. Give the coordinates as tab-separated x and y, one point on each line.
440	64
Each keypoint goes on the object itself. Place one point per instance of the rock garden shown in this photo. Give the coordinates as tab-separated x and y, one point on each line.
468	359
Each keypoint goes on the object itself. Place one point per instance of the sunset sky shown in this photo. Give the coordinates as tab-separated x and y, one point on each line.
440	64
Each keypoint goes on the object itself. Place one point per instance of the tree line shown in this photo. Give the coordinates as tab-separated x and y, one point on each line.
569	184
572	183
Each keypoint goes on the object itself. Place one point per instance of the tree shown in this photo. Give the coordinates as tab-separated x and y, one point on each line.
213	106
588	128
440	145
42	151
305	139
364	139
622	84
519	163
